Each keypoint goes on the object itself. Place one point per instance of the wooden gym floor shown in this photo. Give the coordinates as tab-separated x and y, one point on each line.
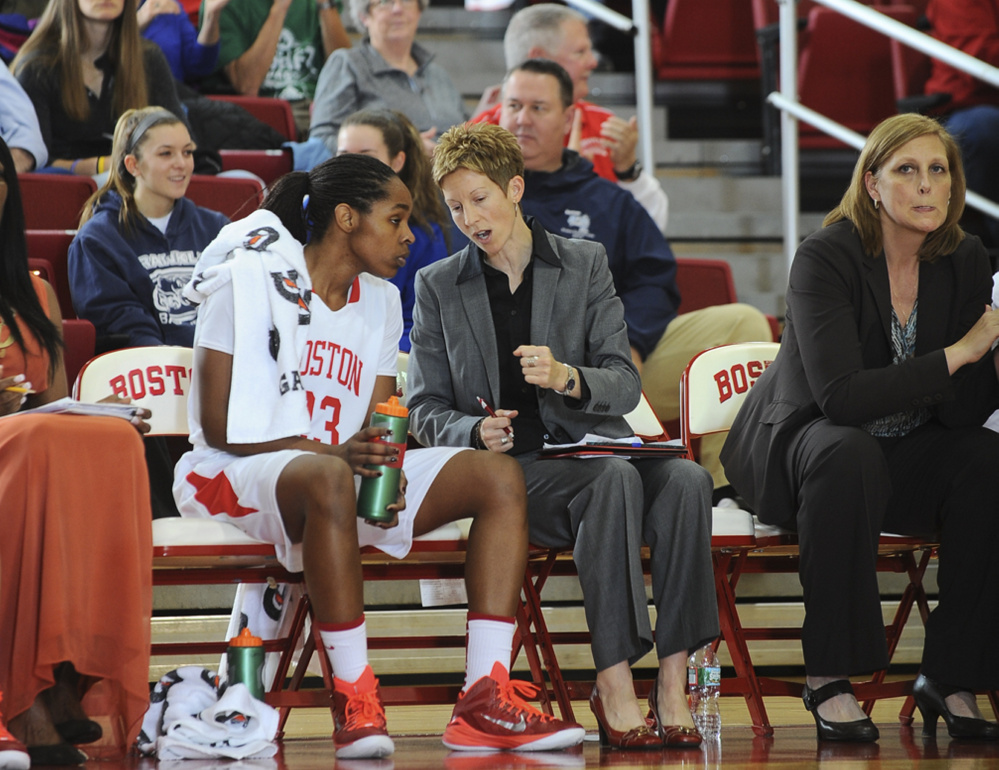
417	730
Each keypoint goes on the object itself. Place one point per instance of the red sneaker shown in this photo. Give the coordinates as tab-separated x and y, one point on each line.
492	714
13	753
359	719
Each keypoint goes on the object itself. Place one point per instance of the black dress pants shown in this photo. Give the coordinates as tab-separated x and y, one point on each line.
851	487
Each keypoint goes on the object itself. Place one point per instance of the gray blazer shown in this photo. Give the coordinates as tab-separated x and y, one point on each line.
575	312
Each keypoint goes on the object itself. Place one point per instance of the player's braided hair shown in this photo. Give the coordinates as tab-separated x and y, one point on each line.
305	201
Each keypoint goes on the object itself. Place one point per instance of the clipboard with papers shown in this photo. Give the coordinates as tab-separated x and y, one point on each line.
650	440
72	406
600	446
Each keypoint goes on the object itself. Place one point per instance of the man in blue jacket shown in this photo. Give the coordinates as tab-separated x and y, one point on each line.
571	200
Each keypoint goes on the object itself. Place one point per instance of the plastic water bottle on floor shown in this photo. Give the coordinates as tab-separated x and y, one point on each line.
704	683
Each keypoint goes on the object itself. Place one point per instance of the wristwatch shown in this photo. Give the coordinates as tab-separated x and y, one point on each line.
570	383
631	174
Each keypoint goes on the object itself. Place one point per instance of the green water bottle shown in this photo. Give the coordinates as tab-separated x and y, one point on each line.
381	491
245	662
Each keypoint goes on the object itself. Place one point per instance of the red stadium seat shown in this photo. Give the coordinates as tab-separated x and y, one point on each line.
54	201
707	40
80	338
233	196
845	73
274	112
52	246
269	165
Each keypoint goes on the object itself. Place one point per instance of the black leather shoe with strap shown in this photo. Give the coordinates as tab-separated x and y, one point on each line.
858	731
931	697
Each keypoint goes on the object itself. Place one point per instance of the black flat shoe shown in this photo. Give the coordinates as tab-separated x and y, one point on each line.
929	697
858	731
56	754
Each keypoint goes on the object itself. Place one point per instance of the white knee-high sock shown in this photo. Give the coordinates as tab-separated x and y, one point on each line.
490	640
347	647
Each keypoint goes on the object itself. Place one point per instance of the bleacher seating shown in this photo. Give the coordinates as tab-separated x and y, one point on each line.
52	247
54	201
706	40
845	72
274	112
269	165
236	197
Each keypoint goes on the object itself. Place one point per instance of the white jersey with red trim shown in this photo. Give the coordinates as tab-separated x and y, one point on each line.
346	350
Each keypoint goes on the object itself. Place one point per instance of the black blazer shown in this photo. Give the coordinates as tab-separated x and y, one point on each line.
835	359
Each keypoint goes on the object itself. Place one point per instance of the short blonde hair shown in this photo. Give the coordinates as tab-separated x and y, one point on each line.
480	147
884	141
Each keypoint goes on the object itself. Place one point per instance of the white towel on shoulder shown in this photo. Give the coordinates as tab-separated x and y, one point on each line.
271	296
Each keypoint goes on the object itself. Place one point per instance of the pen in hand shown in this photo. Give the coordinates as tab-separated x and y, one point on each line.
491	412
20	389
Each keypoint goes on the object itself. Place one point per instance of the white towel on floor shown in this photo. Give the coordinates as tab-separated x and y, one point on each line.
197	689
188	719
237	726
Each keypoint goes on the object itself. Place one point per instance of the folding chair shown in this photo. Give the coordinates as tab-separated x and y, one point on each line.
712	389
732	535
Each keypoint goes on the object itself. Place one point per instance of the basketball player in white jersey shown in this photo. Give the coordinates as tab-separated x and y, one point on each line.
296	342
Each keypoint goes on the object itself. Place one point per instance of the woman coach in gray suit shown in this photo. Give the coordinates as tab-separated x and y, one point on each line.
530	321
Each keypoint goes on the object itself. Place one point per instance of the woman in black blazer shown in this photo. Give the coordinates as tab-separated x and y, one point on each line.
870	419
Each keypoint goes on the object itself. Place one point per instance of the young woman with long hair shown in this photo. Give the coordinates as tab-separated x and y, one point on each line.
83	66
140	238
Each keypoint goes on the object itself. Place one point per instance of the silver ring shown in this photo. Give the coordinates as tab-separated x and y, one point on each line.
532	360
505	440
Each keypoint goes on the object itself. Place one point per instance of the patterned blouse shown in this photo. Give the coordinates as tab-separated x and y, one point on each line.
903	342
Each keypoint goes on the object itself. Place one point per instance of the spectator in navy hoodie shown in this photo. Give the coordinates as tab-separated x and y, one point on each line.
140	238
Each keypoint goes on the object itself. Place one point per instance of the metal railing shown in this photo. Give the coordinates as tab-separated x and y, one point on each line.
638	27
786	100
